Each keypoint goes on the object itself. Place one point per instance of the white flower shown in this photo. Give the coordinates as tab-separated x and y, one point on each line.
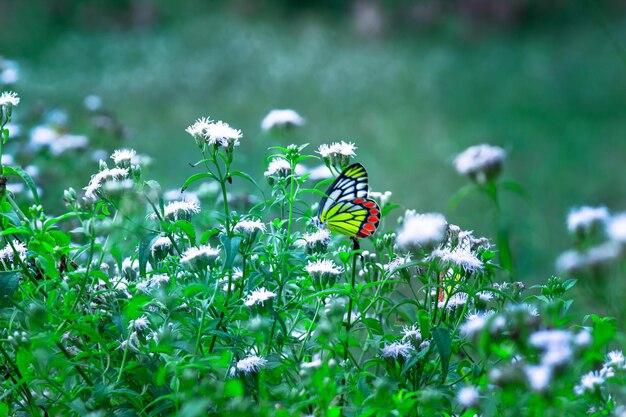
616	228
539	376
68	142
177	210
214	133
397	263
584	218
421	229
467	396
124	156
589	382
615	358
248	227
319	173
6	254
252	364
141	323
457	300
9	71
203	253
278	167
462	258
583	338
92	102
337	153
570	261
556	344
258	296
411	333
152	283
396	349
9	98
323	266
315	363
161	243
42	136
95	184
318	240
279	119
382	198
475	323
603	253
480	162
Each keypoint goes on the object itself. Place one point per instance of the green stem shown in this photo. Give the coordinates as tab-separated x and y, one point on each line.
350	301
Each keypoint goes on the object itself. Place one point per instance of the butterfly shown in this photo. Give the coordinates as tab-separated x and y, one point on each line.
346	209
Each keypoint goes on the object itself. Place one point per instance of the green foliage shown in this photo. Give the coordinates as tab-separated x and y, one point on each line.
129	304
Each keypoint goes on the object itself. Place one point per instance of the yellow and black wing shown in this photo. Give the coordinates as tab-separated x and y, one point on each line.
346	209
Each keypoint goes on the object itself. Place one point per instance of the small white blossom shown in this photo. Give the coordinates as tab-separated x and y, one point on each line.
603	253
68	142
616	228
124	156
323	266
556	344
421	229
583	338
248	227
397	263
278	167
280	119
202	252
92	102
571	261
316	362
615	358
480	162
382	198
9	71
457	300
318	240
539	376
251	365
396	349
177	210
467	396
214	133
584	218
258	296
141	323
95	184
337	153
475	323
589	382
161	243
411	333
9	98
462	258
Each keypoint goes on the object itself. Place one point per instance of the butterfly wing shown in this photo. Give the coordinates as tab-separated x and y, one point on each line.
350	184
346	209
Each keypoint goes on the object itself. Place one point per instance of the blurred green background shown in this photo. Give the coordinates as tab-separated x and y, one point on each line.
412	83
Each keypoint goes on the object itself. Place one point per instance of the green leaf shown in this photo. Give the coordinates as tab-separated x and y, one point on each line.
186	227
4	410
195	407
145	246
233	388
373	325
9	281
441	337
423	320
460	195
246	176
231	247
196	177
28	180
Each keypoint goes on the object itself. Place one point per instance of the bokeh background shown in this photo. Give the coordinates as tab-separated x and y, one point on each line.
411	82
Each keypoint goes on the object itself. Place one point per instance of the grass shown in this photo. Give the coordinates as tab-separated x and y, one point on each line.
550	96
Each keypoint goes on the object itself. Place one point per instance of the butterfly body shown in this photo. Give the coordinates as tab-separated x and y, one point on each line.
346	208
